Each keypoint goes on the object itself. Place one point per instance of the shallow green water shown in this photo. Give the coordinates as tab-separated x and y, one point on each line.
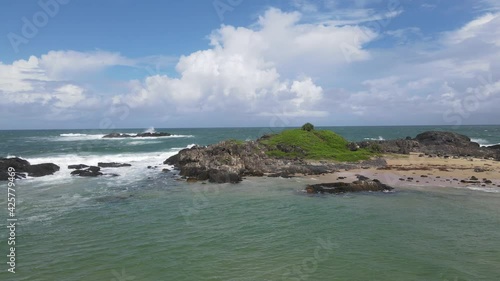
144	225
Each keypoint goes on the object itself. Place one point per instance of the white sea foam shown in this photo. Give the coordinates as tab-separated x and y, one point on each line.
380	138
142	142
165	137
484	189
78	137
72	135
138	170
483	142
83	137
150	130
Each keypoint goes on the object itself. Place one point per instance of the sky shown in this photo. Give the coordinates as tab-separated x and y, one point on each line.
75	64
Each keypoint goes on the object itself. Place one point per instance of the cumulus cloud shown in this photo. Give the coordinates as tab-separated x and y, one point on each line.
455	82
47	85
285	64
256	70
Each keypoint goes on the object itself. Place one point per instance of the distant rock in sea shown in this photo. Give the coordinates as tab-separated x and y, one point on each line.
113	165
140	135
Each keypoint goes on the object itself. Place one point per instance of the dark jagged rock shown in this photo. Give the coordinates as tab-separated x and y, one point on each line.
221	162
440	138
91	171
112	165
159	134
77	167
230	161
117	135
220	176
40	170
392	146
434	144
23	167
362	178
343	187
140	135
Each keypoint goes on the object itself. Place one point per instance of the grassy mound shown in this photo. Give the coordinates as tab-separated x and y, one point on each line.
322	144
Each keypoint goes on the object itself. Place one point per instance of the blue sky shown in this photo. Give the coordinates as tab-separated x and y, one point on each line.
111	64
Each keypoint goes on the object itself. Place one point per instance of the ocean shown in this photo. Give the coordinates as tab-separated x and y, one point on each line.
146	225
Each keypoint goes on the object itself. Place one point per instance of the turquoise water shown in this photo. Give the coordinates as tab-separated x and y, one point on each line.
145	225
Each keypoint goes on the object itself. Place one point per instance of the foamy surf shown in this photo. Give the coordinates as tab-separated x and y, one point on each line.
140	169
483	142
84	137
78	137
380	138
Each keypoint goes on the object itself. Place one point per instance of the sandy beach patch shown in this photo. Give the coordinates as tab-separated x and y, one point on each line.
421	170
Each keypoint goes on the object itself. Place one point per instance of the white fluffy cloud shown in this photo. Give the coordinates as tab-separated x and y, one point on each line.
453	84
284	65
48	83
67	64
257	70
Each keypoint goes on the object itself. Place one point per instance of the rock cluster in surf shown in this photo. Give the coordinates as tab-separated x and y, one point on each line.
23	168
141	135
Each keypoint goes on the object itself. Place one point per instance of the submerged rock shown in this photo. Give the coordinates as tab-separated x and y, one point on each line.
112	165
343	187
159	134
77	167
91	171
117	135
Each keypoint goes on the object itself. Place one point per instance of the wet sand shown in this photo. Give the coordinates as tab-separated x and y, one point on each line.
413	170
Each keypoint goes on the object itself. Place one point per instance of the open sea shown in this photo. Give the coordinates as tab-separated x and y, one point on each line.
145	225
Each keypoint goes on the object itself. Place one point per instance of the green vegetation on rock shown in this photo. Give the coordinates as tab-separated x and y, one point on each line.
314	144
308	127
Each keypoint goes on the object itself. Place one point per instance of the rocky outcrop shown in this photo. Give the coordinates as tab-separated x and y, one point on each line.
112	165
140	135
77	167
91	171
229	161
159	134
434	143
343	187
23	168
40	170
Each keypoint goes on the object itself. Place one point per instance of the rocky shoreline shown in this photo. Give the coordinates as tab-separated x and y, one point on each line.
435	144
230	161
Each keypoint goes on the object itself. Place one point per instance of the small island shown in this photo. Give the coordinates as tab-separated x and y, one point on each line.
306	151
336	165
